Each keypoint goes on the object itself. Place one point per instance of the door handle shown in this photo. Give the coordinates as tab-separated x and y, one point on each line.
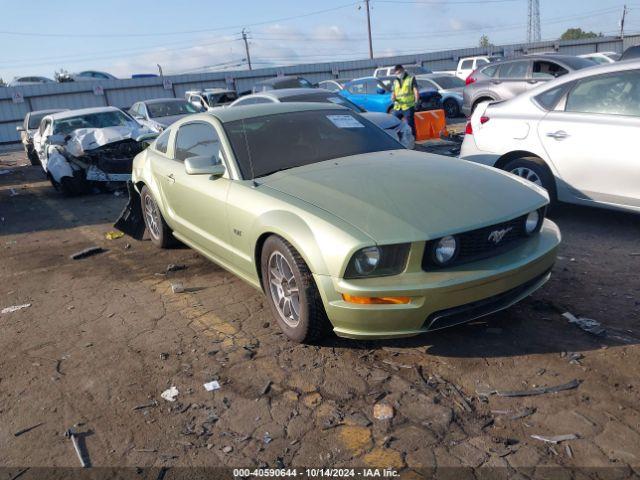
496	82
171	178
559	135
532	82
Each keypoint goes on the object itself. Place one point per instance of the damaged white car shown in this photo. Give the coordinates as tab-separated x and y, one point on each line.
79	147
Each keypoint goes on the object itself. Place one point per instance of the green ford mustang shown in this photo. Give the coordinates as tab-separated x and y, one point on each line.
338	224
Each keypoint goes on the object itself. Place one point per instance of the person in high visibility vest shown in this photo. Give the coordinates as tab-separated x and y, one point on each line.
405	96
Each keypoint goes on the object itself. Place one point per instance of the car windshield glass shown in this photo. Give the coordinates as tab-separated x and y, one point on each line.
34	120
614	56
92	120
167	109
311	137
449	82
321	97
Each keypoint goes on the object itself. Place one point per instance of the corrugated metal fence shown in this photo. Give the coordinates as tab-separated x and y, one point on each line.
15	102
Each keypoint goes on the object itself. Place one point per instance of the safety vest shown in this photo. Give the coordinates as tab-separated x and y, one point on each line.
404	93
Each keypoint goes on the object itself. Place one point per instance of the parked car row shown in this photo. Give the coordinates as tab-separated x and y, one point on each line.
575	136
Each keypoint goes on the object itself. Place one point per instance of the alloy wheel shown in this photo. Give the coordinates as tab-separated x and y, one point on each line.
528	174
284	289
152	217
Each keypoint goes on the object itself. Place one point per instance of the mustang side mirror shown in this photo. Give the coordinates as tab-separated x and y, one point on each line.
203	166
56	139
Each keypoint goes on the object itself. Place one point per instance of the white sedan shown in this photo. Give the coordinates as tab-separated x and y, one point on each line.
577	136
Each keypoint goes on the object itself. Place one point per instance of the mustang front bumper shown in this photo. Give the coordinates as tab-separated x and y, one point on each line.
440	298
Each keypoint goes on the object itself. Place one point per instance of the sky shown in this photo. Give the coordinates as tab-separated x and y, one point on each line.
123	37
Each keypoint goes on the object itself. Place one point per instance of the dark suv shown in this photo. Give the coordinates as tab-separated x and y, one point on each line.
504	80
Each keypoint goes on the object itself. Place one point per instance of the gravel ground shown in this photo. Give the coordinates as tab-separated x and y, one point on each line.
103	337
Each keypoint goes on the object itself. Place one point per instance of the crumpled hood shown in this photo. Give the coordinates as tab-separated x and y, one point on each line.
403	195
382	120
86	139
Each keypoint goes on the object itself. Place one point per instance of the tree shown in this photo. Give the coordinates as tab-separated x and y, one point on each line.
484	41
2	83
62	76
578	34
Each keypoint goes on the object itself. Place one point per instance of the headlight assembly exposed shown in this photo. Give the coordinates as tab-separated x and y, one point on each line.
378	261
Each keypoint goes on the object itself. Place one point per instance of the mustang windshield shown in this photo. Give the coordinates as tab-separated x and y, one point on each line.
268	144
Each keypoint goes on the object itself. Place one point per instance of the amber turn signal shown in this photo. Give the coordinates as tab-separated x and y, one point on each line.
375	300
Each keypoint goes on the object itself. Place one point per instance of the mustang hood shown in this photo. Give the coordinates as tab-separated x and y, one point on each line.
402	195
86	139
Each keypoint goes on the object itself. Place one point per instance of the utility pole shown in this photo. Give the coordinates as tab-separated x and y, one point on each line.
624	14
533	21
369	29
246	47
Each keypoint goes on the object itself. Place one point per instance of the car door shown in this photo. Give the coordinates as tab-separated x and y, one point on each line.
357	93
198	202
378	98
40	140
592	138
511	79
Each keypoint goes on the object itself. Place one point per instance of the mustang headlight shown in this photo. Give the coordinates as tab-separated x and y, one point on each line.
533	222
444	251
378	261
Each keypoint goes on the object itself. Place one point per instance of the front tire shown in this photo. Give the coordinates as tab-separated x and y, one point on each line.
292	292
451	108
159	232
33	158
534	170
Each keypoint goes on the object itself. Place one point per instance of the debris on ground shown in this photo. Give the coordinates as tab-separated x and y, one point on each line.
556	438
227	449
113	235
28	429
267	438
87	252
524	413
70	433
12	192
177	287
211	386
574	358
170	394
382	411
535	391
5	172
14	308
587	324
146	405
266	388
175	267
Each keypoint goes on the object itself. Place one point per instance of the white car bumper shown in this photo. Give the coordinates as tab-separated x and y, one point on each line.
470	151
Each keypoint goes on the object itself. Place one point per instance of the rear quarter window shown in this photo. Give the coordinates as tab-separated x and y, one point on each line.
162	142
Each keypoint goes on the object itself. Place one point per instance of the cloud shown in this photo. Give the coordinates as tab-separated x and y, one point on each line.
274	44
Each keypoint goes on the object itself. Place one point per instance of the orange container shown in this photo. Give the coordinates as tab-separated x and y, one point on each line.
430	124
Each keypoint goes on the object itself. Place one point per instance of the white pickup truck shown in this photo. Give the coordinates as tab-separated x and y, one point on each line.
470	64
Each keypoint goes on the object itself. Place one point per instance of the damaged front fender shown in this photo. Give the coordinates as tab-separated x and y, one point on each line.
131	220
58	166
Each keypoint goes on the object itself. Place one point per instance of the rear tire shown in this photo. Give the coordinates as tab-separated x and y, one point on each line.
451	108
534	170
159	232
478	102
72	186
292	292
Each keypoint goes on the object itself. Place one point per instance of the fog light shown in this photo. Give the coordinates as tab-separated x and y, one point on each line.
532	222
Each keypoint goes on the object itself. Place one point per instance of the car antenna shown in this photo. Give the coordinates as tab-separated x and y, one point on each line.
246	141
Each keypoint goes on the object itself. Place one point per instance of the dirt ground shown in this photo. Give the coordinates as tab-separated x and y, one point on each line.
105	336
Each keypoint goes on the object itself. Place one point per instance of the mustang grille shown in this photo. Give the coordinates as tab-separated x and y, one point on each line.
482	243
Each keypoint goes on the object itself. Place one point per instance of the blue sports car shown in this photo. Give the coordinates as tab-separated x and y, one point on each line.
374	95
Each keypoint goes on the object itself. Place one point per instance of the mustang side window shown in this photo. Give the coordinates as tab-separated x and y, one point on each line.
197	140
162	142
